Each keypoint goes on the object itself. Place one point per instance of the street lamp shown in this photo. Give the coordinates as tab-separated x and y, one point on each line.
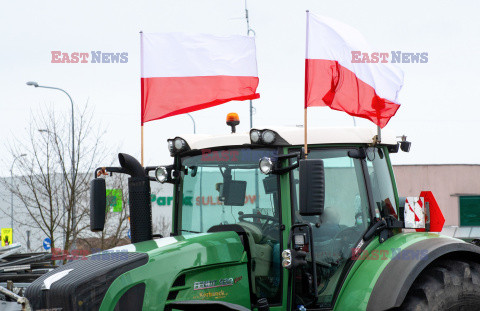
11	184
193	120
35	84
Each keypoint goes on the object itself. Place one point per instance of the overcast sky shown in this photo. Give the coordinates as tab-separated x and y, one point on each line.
439	112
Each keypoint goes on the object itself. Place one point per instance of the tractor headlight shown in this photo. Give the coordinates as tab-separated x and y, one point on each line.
264	137
255	136
161	174
265	165
170	146
268	137
287	259
179	144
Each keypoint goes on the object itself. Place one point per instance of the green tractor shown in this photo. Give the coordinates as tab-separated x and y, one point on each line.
258	224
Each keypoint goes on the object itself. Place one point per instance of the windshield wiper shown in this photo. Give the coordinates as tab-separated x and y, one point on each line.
190	231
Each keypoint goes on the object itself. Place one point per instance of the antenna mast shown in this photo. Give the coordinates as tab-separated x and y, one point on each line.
249	30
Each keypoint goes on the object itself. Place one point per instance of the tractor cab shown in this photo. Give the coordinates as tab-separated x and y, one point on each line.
260	186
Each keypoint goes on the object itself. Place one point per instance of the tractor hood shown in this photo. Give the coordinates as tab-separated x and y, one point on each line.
137	273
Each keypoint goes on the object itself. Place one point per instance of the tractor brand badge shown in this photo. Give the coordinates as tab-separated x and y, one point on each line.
213	284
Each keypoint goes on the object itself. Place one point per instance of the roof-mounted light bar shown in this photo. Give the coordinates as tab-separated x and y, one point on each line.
177	145
263	137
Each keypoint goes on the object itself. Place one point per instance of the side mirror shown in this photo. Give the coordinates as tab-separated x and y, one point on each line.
98	204
405	146
312	187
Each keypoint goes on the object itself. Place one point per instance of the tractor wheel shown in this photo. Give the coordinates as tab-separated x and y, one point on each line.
445	285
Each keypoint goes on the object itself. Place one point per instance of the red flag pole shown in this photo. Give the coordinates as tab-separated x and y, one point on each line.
306	92
142	97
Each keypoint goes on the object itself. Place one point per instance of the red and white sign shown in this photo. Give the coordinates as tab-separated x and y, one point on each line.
414	214
434	217
183	73
366	90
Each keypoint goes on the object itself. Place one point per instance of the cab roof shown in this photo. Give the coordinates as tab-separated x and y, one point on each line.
291	136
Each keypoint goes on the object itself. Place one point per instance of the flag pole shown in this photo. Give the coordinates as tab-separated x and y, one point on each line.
379	129
248	34
305	128
141	145
142	96
306	92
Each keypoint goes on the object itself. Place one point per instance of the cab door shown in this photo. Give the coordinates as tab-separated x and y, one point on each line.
336	232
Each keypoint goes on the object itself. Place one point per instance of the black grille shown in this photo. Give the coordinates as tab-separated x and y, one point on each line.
84	287
140	209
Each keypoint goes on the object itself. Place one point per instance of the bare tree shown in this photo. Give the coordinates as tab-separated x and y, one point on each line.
49	188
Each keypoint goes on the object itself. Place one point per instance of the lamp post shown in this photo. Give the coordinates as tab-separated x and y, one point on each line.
193	120
35	84
11	184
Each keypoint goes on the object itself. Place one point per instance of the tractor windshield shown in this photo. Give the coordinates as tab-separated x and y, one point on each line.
224	190
224	186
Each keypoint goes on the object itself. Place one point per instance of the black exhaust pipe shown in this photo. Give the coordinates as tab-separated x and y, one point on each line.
139	198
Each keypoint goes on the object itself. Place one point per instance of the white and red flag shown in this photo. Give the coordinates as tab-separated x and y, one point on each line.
183	73
366	90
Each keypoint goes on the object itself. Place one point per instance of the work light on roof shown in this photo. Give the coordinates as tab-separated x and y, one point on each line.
177	145
268	137
255	136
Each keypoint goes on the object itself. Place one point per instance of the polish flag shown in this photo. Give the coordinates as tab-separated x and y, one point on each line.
366	90
183	73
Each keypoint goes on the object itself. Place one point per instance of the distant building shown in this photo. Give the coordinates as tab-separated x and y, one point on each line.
456	188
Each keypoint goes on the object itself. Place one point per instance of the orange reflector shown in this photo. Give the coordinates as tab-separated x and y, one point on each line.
232	117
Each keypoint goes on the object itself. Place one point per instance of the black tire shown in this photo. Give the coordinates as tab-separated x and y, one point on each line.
445	285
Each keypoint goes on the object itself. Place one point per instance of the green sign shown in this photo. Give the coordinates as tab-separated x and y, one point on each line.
114	200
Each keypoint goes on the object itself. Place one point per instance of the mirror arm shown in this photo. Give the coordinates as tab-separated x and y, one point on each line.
110	170
289	156
282	170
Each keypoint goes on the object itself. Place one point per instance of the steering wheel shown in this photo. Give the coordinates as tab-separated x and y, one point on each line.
347	237
268	219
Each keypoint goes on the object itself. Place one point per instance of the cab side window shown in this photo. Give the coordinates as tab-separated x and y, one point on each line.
381	180
344	220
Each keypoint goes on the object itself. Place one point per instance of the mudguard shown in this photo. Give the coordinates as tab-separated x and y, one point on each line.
381	279
398	276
